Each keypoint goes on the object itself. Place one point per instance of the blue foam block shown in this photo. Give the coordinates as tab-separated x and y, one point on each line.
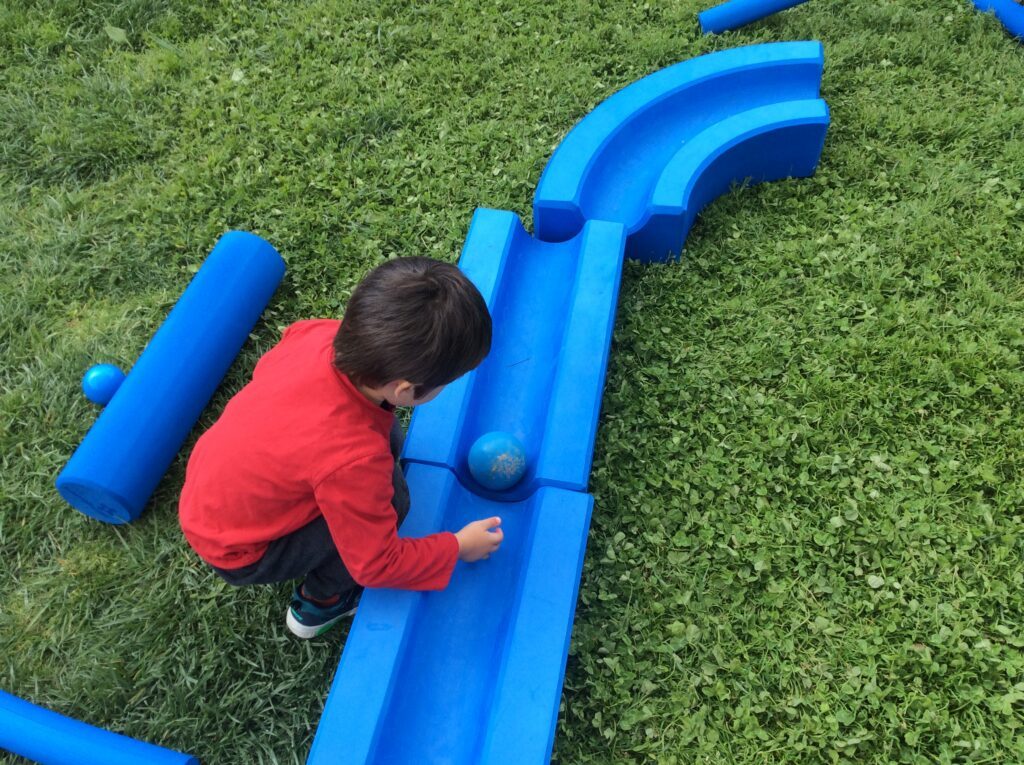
471	674
737	13
1009	13
553	309
610	164
123	456
49	738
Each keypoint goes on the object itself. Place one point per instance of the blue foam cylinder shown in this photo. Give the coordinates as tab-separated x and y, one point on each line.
53	739
122	458
737	13
1009	13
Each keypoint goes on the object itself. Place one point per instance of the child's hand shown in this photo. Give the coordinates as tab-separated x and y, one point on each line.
479	539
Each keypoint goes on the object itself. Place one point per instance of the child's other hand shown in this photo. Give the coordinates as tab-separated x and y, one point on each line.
479	539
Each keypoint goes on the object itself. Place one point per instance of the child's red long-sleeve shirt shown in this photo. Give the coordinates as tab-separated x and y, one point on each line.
297	442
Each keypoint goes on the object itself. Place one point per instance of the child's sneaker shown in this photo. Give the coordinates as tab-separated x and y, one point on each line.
306	619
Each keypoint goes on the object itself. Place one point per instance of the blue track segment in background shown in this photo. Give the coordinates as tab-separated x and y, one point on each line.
737	13
123	456
1009	13
50	738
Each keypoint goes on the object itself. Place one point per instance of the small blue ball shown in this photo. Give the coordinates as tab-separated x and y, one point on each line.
100	383
497	460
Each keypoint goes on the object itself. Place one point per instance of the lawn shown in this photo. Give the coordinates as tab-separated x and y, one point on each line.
807	538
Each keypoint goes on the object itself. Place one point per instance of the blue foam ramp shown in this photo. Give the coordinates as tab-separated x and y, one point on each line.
737	13
609	165
1009	14
120	461
553	308
473	673
49	738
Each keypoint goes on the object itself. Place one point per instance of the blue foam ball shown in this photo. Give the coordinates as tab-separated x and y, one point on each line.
497	460
100	383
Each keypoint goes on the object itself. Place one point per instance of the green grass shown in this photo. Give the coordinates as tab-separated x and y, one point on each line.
806	544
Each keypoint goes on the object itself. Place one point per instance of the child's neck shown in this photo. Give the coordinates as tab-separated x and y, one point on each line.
378	398
375	396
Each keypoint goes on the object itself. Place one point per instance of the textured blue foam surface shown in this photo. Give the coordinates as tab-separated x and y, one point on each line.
473	673
768	143
553	309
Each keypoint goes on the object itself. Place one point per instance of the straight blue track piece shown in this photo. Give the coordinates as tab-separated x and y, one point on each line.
553	307
737	13
473	673
1009	13
610	164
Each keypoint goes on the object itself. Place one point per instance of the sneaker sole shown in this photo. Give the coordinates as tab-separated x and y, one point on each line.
305	631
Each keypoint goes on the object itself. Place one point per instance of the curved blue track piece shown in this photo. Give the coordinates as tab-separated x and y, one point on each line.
764	144
123	456
1009	13
49	738
737	13
609	164
473	673
553	308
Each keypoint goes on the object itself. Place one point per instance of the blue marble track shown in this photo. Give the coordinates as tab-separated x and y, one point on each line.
473	674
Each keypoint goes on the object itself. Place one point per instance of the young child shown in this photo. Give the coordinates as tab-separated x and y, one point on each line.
299	477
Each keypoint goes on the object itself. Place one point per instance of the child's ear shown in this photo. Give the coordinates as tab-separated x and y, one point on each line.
405	393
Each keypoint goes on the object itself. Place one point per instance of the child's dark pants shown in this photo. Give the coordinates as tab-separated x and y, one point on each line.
310	551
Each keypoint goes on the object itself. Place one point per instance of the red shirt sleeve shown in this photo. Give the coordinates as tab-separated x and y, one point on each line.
356	503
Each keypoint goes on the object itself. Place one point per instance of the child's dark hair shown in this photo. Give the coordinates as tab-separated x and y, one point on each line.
413	319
